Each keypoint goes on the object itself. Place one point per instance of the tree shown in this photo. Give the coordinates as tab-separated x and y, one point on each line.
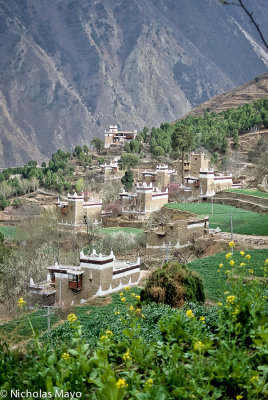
86	149
183	139
98	144
128	161
127	180
173	284
79	186
77	151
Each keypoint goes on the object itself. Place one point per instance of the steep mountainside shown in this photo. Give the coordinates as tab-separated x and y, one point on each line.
69	68
247	93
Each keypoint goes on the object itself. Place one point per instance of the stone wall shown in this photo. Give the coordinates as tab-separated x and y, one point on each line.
262	201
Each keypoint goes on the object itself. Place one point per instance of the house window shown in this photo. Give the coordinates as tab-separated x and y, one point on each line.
75	282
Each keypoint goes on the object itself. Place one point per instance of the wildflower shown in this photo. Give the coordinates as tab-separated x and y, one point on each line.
109	333
219	303
236	311
131	308
220	265
227	271
242	264
228	255
149	382
242	253
103	337
143	316
254	378
126	356
121	383
65	356
247	256
239	397
190	314
72	317
117	312
133	294
21	302
123	299
121	294
198	345
138	310
266	261
230	299
218	270
232	263
127	288
251	271
138	297
202	319
232	244
226	292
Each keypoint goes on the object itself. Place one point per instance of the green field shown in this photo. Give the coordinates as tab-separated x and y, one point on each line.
215	282
13	233
251	192
244	222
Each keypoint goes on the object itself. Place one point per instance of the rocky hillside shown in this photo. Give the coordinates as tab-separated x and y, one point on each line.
247	93
69	68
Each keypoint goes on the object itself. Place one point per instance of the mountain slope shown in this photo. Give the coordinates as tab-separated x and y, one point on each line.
69	68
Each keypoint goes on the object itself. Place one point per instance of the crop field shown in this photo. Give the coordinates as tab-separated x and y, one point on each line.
251	192
244	222
8	231
109	231
215	282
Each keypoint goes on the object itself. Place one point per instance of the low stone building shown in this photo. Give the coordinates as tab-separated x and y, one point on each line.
160	177
179	230
97	275
72	213
114	137
145	200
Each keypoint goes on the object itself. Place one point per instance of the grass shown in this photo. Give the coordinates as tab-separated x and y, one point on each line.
244	222
251	192
214	282
13	233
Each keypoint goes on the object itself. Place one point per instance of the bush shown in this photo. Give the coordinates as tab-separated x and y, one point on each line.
174	284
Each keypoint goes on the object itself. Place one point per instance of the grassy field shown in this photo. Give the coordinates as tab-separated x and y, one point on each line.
252	192
13	233
244	222
215	282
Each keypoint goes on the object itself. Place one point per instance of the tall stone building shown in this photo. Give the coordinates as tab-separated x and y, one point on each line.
113	137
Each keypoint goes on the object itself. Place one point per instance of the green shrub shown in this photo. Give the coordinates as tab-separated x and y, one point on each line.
173	284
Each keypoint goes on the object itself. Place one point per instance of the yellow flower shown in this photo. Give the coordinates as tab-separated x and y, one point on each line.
138	297
228	255
123	299
232	263
131	308
126	356
121	294
121	383
266	261
220	265
230	299
127	288
236	311
242	264
103	337
72	317
239	397
226	292
109	333
254	378
138	310
149	382
198	345
190	314
242	253
202	319
227	271
248	256
232	244
117	312
251	271
65	356
21	302
219	303
133	294
143	316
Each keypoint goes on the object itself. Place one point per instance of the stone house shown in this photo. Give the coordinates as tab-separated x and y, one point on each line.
160	177
71	213
97	275
145	200
114	137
